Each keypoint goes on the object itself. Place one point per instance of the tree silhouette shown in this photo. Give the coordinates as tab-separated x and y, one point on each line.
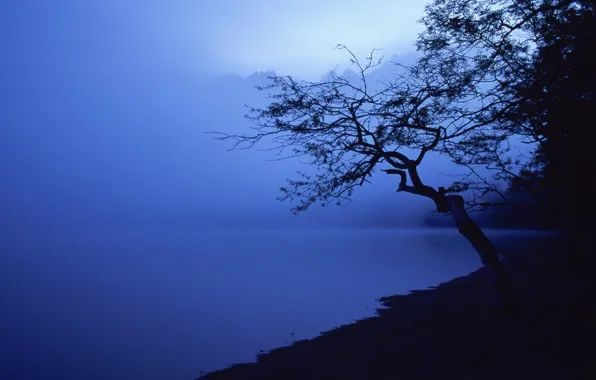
348	130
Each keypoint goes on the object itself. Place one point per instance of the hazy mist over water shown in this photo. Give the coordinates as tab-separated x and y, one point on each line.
135	156
133	245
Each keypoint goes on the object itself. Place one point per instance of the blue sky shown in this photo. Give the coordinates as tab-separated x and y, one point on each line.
299	37
226	36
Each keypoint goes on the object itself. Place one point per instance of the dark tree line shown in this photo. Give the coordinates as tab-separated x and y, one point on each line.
559	92
547	94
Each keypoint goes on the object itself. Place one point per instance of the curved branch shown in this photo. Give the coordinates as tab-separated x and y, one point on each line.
418	188
428	148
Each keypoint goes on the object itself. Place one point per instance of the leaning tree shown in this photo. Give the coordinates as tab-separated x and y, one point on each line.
461	99
348	129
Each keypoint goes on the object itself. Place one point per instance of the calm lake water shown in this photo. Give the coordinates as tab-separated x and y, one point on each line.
170	303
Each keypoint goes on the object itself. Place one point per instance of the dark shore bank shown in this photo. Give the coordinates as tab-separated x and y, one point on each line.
452	331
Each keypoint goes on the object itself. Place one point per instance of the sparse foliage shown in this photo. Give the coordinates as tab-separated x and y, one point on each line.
346	130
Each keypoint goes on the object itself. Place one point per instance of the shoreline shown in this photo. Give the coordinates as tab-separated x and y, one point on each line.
451	330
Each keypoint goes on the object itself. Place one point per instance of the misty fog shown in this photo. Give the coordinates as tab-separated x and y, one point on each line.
135	148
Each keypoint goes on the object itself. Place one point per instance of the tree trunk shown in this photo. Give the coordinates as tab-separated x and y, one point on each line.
486	250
